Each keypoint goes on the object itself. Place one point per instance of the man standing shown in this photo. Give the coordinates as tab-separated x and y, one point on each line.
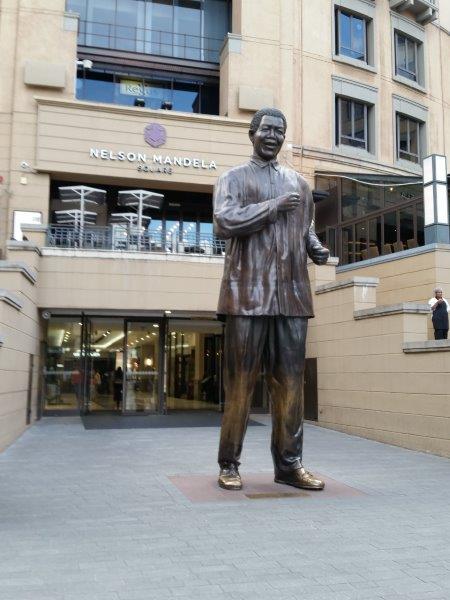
439	309
266	214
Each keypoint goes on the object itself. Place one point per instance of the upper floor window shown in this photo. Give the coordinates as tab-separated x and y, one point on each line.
408	138
408	52
406	57
352	123
351	35
156	90
187	29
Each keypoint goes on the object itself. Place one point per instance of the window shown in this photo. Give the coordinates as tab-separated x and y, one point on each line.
154	91
352	123
406	57
351	35
410	120
354	27
408	139
187	29
355	131
408	54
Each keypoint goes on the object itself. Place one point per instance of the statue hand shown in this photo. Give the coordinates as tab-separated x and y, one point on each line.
287	202
319	254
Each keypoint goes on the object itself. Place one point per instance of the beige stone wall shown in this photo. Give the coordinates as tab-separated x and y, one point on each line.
121	281
19	330
367	384
408	277
67	131
36	31
294	40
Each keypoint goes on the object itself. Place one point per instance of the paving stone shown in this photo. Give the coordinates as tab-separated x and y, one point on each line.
97	515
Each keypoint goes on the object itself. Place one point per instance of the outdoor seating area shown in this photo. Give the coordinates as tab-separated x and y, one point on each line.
123	238
128	230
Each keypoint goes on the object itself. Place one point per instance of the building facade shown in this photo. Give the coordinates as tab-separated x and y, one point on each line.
116	120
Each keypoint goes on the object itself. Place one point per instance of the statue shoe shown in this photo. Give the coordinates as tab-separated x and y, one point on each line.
229	478
300	478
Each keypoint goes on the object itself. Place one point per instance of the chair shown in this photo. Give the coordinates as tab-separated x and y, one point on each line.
412	243
373	251
364	254
398	246
387	249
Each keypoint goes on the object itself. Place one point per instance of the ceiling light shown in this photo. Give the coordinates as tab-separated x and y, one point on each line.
111	341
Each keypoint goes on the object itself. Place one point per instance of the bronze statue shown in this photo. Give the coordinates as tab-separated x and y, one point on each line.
266	214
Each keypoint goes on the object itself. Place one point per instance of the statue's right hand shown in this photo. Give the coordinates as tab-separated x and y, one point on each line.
288	202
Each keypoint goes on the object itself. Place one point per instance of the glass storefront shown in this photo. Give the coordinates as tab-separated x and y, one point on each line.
142	368
63	379
103	354
359	220
128	366
194	365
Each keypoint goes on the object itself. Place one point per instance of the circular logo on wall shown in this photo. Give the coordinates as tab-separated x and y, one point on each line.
155	135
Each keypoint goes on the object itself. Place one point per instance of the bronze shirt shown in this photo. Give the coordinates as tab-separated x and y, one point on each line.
265	269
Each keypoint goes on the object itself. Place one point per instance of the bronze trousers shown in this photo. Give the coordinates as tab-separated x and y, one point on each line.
275	345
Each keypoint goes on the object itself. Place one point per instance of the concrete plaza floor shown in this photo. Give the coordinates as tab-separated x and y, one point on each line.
105	515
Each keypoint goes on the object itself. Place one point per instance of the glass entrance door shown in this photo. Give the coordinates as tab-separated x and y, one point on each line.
144	366
103	364
194	365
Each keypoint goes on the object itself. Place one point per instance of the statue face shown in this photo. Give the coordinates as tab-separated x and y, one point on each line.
269	137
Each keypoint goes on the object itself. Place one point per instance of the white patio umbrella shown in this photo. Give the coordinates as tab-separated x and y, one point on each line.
139	200
81	195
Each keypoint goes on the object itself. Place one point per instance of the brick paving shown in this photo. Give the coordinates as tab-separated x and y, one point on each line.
109	515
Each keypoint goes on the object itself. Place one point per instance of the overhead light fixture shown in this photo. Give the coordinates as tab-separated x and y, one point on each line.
110	342
85	63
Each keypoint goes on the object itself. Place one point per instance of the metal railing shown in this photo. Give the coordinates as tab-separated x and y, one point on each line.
128	239
149	41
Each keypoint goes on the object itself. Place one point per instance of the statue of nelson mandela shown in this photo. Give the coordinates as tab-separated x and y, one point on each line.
265	212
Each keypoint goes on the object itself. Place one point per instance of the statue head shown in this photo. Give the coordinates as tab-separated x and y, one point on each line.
267	132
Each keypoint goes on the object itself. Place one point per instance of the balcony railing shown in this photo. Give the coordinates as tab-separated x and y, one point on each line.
149	41
122	239
425	11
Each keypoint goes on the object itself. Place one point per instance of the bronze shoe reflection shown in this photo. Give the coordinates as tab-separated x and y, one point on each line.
229	478
300	478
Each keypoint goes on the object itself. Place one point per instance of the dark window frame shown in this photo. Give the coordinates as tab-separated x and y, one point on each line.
338	43
407	154
403	71
352	141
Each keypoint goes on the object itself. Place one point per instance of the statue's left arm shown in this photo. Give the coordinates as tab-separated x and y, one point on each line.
316	251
